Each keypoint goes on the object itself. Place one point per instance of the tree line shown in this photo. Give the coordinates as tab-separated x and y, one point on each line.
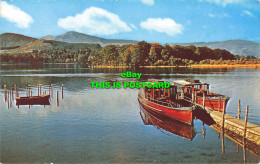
141	54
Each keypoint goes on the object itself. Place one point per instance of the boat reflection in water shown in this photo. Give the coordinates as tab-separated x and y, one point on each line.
167	124
33	100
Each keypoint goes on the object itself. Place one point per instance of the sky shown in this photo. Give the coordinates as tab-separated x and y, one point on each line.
163	21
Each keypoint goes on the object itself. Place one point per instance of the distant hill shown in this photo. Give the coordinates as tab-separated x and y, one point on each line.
42	44
76	37
236	47
11	40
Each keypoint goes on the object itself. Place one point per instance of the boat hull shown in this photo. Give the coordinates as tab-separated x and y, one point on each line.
181	114
213	103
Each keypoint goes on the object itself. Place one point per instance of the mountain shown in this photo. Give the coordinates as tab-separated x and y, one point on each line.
11	40
76	37
41	44
236	47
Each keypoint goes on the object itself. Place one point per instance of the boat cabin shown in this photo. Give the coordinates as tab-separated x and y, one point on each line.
160	93
192	86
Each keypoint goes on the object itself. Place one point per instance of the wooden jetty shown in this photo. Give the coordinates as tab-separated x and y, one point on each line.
241	128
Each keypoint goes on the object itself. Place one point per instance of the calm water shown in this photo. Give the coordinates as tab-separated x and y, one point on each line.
104	125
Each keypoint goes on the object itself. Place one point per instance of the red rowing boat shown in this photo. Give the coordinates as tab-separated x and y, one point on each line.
165	101
166	124
198	93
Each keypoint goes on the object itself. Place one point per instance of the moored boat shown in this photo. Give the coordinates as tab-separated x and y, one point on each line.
33	100
165	101
198	92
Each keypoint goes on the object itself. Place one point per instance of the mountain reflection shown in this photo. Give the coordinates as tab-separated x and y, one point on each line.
166	124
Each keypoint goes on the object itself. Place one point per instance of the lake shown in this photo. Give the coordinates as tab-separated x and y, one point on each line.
107	125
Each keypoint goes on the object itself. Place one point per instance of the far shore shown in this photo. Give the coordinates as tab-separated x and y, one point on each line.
189	66
230	66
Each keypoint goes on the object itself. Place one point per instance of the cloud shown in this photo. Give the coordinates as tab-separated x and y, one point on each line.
94	21
248	13
15	15
166	25
218	15
148	2
223	2
133	26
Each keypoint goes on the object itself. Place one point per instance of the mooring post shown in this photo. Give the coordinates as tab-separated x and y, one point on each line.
218	135
49	90
57	98
223	115
219	104
40	89
31	93
7	98
239	109
15	90
17	94
203	131
10	99
26	91
244	149
245	122
223	144
62	91
5	92
12	93
203	100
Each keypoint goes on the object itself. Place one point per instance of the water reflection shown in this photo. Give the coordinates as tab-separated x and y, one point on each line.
166	124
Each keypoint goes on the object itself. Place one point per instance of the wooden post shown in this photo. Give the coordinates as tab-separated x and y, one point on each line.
17	93
5	92
223	116
203	131
238	148
49	90
31	93
203	100
219	104
12	93
223	144
29	90
218	135
244	149
7	98
62	91
10	99
26	91
15	90
239	110
40	89
245	122
57	98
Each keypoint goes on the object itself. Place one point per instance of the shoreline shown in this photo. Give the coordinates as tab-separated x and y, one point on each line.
257	66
